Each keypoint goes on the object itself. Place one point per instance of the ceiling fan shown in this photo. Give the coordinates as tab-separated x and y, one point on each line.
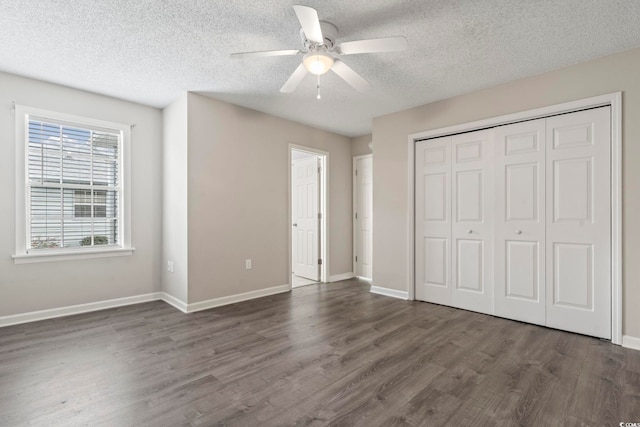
321	52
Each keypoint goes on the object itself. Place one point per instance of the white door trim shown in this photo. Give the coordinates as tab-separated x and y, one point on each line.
615	101
355	207
324	209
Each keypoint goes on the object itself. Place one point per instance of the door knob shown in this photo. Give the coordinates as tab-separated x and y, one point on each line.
518	231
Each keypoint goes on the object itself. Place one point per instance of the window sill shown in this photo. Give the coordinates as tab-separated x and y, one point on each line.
71	255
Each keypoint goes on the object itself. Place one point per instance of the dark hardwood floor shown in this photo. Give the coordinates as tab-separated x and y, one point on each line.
321	355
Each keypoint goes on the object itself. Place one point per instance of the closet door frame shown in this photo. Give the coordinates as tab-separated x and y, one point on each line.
614	100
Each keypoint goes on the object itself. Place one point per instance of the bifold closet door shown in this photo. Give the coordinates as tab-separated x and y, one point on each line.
472	221
578	229
520	221
433	221
454	252
516	221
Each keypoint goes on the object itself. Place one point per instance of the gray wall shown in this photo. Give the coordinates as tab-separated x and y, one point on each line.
605	75
174	201
39	286
219	191
237	172
360	145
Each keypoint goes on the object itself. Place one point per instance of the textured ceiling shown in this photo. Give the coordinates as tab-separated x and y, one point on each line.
149	51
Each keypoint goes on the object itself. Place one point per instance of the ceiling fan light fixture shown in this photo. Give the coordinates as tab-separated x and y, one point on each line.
318	62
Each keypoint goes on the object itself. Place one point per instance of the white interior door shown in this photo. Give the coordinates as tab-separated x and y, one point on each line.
472	221
433	220
363	216
578	248
519	234
305	201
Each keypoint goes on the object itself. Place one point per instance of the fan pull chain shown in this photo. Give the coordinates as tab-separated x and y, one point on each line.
318	87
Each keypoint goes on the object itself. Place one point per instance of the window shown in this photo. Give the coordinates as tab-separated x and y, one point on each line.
85	207
71	185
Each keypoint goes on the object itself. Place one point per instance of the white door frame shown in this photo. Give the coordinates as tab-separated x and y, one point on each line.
323	209
612	99
355	207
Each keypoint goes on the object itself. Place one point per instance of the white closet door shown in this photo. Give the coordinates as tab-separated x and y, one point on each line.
578	222
520	221
364	217
472	221
433	221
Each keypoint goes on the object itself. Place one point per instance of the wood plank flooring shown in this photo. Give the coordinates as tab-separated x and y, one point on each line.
321	355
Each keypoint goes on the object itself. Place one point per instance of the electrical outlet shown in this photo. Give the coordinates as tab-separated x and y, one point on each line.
247	264
170	266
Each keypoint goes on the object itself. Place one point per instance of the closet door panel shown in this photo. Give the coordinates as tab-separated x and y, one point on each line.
519	155
578	239
470	263
472	221
522	276
433	221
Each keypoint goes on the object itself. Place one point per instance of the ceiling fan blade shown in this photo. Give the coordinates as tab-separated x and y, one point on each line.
294	79
309	22
348	75
385	44
265	53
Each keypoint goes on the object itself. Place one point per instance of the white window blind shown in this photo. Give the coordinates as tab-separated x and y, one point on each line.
73	186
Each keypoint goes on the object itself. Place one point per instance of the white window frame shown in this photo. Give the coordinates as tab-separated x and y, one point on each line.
23	254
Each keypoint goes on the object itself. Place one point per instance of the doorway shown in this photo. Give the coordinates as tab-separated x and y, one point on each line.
307	208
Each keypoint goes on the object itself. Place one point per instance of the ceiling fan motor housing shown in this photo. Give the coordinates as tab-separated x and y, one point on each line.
329	33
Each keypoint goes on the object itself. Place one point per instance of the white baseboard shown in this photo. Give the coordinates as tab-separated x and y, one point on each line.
176	302
232	299
343	276
34	316
631	342
171	300
389	292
